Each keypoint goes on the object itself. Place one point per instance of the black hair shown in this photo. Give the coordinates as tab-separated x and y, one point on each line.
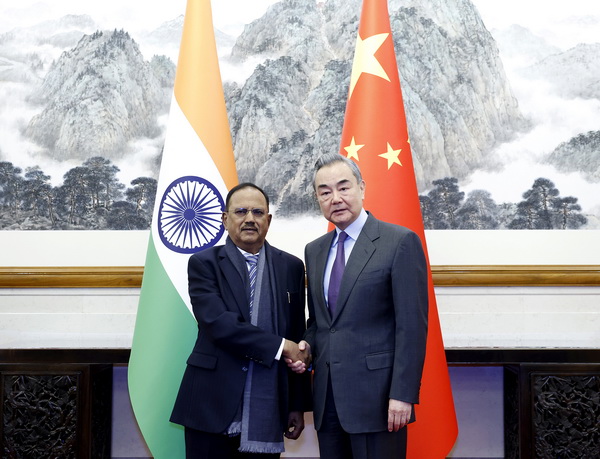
241	186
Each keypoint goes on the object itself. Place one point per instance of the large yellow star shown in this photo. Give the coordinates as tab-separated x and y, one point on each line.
365	60
392	156
352	149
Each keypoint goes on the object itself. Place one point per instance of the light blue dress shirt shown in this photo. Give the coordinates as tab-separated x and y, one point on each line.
352	231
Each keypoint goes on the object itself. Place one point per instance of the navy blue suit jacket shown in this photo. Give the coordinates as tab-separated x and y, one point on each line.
213	382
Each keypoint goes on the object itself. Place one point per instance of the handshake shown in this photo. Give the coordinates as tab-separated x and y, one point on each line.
297	356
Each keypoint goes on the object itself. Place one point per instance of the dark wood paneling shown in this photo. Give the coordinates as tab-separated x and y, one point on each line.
55	409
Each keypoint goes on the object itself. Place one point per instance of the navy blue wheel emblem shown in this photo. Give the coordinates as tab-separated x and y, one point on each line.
189	217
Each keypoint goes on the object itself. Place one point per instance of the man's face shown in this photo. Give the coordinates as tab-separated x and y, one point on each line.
249	231
339	194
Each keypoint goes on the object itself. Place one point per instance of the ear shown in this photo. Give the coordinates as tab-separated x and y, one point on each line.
362	187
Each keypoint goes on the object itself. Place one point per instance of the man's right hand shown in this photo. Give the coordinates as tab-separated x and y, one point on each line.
297	356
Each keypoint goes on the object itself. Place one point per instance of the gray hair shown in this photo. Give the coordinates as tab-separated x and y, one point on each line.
331	158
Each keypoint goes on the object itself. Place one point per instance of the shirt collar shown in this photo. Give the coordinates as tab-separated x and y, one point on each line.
355	227
248	253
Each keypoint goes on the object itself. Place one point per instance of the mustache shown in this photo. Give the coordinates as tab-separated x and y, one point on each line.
249	226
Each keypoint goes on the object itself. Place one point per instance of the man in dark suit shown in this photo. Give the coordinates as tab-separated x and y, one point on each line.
238	398
367	326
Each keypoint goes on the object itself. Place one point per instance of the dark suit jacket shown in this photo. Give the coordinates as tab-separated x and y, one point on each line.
374	347
213	382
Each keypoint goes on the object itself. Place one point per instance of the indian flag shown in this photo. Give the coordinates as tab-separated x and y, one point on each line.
197	169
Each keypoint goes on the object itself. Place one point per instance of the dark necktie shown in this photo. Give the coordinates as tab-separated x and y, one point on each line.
337	270
252	261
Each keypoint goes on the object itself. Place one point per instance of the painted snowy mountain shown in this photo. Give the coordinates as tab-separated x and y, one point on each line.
98	96
573	73
458	100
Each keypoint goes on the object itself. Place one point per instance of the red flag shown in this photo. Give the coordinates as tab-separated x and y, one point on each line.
375	135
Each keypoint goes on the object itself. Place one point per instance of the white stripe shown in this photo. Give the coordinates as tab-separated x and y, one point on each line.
184	154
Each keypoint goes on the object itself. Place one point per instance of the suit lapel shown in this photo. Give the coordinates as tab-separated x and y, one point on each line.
360	256
234	276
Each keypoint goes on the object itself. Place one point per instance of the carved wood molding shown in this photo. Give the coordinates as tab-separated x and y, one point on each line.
516	275
443	276
71	277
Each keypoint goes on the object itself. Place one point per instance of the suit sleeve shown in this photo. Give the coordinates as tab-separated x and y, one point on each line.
410	296
311	330
299	384
218	316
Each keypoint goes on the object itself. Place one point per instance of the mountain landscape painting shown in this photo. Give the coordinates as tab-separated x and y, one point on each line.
502	103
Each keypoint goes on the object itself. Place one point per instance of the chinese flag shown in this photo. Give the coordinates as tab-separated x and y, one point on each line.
375	135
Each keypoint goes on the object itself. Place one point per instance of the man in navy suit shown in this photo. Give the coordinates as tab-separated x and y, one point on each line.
238	399
367	330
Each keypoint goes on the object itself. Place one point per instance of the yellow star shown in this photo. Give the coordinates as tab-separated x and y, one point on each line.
365	60
391	156
352	149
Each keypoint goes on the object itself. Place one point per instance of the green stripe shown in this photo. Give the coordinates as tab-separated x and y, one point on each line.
164	335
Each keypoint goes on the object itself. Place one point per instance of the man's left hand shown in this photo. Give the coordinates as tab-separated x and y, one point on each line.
398	414
295	425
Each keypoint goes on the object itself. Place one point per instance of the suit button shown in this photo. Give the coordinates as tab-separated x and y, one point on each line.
244	369
333	330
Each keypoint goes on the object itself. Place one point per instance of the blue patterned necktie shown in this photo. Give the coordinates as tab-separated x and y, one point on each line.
252	261
337	270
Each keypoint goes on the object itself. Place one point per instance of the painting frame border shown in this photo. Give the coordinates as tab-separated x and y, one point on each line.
443	276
